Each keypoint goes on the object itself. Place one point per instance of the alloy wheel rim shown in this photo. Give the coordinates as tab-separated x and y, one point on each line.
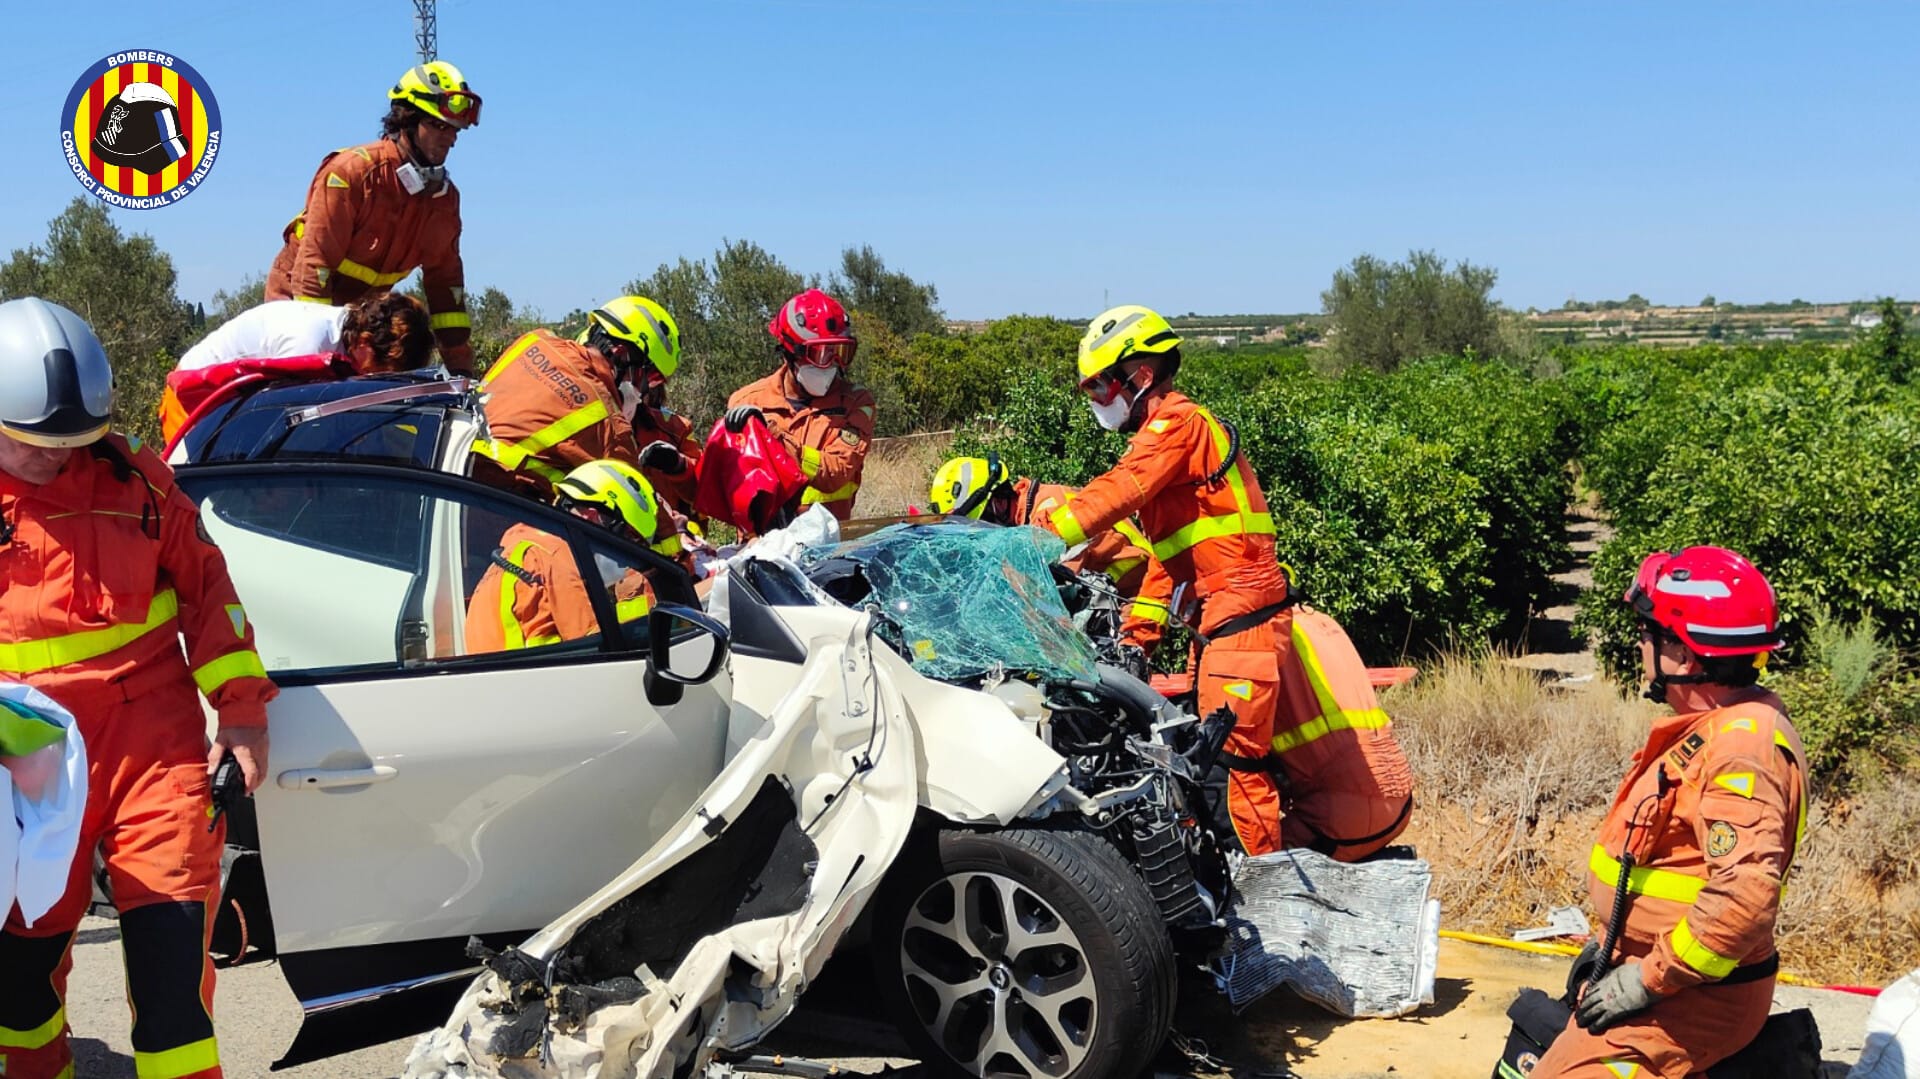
998	978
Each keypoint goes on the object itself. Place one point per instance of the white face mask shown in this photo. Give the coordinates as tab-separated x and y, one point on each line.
629	400
1112	415
816	380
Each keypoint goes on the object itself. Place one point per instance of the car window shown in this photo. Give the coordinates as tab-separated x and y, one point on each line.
387	568
399	435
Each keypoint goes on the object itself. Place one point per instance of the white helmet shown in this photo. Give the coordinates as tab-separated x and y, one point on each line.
56	387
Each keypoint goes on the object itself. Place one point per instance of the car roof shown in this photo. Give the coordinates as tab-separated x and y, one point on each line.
390	418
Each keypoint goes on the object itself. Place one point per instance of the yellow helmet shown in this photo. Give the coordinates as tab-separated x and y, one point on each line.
617	488
963	485
1128	330
438	89
645	325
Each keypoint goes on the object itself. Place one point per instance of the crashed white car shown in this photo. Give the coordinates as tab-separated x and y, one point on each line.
697	812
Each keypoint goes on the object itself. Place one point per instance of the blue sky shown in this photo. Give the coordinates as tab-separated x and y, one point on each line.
1035	156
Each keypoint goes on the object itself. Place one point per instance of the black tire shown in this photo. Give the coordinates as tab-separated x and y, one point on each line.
1089	996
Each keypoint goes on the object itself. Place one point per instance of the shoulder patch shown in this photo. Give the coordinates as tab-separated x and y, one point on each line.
1721	839
1742	724
134	442
1157	426
1740	783
850	436
334	180
1686	750
238	616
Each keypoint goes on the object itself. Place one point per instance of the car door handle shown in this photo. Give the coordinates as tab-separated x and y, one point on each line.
319	779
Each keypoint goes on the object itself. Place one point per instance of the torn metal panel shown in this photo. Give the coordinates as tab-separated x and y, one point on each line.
726	920
1357	939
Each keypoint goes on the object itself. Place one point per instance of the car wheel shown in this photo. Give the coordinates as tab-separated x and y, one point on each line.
1024	952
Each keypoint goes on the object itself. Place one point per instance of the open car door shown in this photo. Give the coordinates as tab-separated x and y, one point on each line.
422	790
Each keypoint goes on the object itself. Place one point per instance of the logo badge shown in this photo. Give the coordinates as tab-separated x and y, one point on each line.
140	129
1721	839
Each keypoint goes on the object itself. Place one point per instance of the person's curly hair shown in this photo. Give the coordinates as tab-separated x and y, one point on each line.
395	326
401	116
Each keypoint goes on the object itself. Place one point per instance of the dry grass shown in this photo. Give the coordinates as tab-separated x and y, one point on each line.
1514	776
898	471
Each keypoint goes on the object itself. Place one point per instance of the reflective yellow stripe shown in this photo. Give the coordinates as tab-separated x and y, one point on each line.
314	299
563	428
1149	610
66	1072
1133	535
37	1037
203	1055
27	657
809	461
510	631
1332	717
1697	955
1068	528
1641	880
514	459
1120	567
627	610
211	676
813	495
452	320
367	274
513	352
1242	522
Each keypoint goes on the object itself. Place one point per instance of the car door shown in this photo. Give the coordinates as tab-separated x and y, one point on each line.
421	790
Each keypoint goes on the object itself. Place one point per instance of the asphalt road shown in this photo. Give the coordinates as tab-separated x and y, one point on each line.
1456	1038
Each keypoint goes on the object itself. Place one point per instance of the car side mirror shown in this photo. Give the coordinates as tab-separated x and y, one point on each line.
685	647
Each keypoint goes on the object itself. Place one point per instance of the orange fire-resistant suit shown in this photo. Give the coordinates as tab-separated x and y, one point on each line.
105	569
1120	553
1711	811
827	435
676	489
551	406
361	231
533	594
1297	689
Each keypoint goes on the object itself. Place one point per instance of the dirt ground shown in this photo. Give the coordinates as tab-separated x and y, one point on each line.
1457	1037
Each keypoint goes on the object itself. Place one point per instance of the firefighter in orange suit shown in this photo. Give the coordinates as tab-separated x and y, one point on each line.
1311	760
809	404
554	404
106	568
534	594
375	213
1700	835
982	488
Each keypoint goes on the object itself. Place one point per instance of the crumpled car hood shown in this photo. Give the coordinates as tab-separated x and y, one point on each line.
706	942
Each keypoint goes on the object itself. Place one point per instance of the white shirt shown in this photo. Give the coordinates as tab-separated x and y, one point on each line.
271	331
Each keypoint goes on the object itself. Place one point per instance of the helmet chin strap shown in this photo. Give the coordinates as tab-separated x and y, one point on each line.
1657	685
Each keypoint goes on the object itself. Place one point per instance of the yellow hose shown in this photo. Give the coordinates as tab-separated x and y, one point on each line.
1567	949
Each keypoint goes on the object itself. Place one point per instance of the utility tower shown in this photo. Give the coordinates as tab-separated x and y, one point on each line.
426	30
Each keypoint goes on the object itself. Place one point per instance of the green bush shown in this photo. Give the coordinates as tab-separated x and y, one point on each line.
1375	483
1803	459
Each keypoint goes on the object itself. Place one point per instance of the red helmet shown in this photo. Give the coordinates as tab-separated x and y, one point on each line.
1712	599
812	328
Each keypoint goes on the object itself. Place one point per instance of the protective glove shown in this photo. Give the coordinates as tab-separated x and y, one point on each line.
662	457
1619	994
737	416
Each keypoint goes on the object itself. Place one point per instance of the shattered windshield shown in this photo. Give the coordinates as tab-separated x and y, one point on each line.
968	598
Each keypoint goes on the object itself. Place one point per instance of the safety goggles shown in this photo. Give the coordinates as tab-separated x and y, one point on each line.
461	107
1103	387
835	353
